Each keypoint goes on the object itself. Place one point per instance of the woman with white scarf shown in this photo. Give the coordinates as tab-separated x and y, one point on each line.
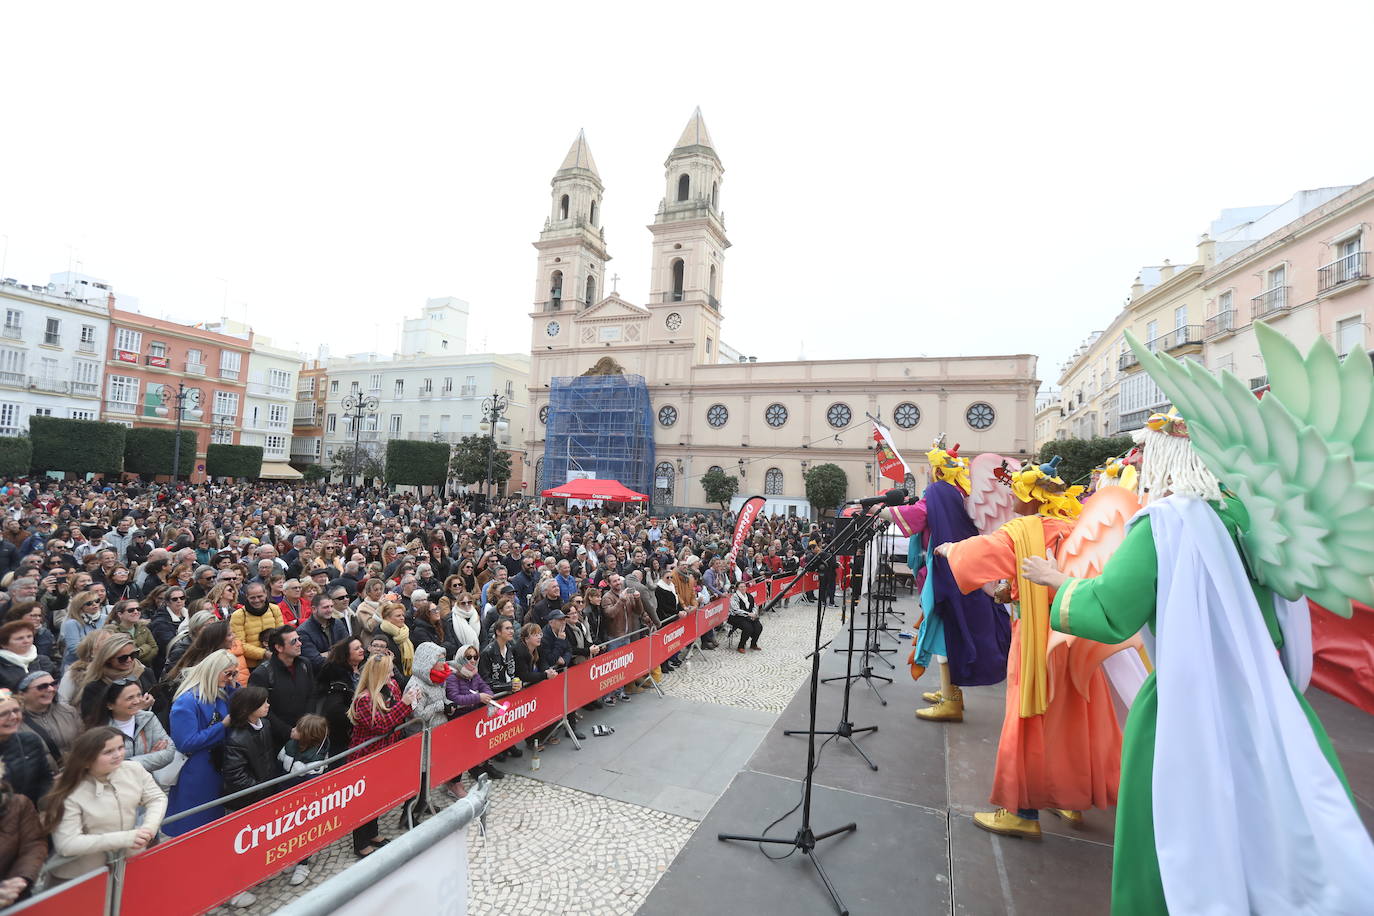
462	622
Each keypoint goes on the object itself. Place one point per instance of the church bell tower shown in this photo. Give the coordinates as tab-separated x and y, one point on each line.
572	249
689	245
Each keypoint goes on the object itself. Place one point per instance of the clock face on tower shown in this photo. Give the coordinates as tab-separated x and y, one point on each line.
674	321
551	329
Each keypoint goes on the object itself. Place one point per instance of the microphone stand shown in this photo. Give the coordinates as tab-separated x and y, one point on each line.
870	649
806	838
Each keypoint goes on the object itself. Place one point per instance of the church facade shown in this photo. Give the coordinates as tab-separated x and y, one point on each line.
765	422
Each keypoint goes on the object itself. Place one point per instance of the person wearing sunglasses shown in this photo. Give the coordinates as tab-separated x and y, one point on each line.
127	617
116	659
85	614
170	609
56	724
466	690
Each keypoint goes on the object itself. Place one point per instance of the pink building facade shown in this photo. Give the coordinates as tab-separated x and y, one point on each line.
149	354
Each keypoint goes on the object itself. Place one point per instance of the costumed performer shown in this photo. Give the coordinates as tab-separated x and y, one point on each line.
1060	749
968	635
1232	798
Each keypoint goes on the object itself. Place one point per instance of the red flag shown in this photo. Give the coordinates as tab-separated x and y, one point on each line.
748	511
890	463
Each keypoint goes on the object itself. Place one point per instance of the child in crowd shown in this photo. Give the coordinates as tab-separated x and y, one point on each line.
304	756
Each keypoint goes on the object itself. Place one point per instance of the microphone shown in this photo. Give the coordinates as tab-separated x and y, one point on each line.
894	497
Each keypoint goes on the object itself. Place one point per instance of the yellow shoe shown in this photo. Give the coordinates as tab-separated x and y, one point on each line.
933	696
1005	823
1072	818
948	709
657	675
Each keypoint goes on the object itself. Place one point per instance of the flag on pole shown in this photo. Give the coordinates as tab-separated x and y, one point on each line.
890	462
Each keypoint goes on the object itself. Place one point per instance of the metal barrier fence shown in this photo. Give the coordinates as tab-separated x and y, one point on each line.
247	846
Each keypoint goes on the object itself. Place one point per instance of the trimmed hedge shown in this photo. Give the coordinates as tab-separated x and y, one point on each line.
416	464
16	456
149	451
77	446
242	462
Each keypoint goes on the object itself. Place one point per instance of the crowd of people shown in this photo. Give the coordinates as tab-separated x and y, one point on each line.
170	654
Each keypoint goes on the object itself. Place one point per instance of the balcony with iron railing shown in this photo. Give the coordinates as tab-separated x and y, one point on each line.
1347	270
89	389
17	379
120	406
13	331
426	393
195	368
52	339
1223	322
1126	361
1277	299
40	383
1259	382
1188	335
467	391
229	375
86	346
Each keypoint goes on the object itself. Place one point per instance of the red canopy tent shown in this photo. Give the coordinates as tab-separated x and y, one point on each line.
612	490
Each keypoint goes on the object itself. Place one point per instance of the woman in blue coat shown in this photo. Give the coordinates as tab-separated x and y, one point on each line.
200	714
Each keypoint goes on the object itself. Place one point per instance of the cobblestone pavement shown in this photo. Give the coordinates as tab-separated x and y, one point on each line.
764	680
552	849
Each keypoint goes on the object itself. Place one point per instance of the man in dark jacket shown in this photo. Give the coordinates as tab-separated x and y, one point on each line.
321	631
524	581
289	682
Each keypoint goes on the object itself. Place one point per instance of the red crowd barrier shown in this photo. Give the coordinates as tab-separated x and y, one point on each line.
671	639
712	615
84	896
198	870
475	737
607	672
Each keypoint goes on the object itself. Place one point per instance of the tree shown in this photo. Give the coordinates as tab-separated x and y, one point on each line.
719	486
366	465
149	451
1080	456
241	462
16	456
469	463
416	464
314	473
826	486
77	446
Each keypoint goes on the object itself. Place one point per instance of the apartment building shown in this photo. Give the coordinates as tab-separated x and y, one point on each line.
51	347
149	359
1304	269
307	418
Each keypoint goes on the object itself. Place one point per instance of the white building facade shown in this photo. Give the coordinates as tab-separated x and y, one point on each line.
430	391
52	345
269	403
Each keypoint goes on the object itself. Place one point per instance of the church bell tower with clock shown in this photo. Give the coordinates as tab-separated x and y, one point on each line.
572	250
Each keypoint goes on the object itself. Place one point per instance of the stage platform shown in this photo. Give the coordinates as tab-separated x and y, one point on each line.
916	850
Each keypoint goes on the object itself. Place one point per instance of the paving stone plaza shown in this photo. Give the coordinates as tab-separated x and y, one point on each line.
552	848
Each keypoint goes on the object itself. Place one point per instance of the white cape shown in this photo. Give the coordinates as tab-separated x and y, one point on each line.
1249	815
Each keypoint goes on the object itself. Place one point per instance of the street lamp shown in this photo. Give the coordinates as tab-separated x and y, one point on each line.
493	418
184	401
356	408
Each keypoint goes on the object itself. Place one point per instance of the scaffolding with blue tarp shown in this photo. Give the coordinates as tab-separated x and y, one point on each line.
600	426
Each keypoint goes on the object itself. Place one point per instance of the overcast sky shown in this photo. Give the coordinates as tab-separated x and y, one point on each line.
905	179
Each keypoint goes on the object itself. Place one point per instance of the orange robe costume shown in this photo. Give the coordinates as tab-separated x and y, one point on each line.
1070	755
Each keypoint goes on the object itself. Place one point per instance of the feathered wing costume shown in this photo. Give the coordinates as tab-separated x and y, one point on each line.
1232	799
